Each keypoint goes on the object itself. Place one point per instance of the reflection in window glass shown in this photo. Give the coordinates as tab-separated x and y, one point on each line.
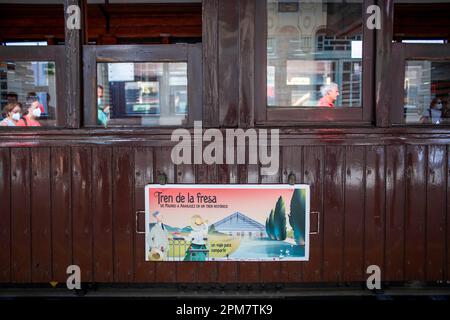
314	53
148	94
28	93
427	92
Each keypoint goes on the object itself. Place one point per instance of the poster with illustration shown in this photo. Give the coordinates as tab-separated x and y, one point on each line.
227	222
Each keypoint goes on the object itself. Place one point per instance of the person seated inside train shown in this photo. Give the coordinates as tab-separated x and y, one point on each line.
12	97
102	109
31	115
11	114
329	92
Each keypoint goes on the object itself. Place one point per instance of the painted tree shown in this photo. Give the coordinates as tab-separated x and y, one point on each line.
297	215
279	218
269	226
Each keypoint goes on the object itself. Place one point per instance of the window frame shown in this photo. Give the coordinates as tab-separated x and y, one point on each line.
54	53
401	52
189	53
363	115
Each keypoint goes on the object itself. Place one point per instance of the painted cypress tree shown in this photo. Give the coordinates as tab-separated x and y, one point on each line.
297	215
270	226
280	231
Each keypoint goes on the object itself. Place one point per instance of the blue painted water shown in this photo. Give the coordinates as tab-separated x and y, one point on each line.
267	249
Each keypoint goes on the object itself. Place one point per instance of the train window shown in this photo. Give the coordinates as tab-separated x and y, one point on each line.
427	92
317	64
28	93
314	54
142	85
146	93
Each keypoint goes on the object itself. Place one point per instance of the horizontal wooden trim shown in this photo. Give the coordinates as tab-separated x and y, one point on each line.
140	53
324	115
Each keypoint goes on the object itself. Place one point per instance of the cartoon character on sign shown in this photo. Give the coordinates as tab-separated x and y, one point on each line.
198	237
158	239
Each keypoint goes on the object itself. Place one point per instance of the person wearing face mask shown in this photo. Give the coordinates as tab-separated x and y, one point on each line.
31	115
102	110
11	114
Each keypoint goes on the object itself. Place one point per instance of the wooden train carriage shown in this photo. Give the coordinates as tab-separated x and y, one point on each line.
70	194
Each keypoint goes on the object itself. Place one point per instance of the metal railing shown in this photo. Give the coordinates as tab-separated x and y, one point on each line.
179	246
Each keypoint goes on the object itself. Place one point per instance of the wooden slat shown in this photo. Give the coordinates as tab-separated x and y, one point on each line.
313	164
436	206
82	217
187	272
395	213
5	216
292	158
61	212
354	213
123	214
20	218
375	207
415	213
165	271
210	63
143	175
228	62
333	214
247	63
102	214
41	244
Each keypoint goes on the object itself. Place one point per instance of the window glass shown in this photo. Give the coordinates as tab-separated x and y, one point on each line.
29	90
148	94
314	53
427	92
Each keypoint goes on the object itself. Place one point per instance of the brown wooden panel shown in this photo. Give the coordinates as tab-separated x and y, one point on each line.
143	175
354	213
102	214
210	63
41	244
82	218
436	206
165	271
5	216
123	214
21	216
292	158
375	207
247	62
395	213
314	167
61	212
228	62
333	214
415	212
187	272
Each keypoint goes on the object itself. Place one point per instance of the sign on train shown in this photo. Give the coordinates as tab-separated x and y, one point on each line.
227	222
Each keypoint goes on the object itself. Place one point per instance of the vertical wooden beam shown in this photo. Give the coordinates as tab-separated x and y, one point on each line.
210	63
383	63
73	66
246	63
